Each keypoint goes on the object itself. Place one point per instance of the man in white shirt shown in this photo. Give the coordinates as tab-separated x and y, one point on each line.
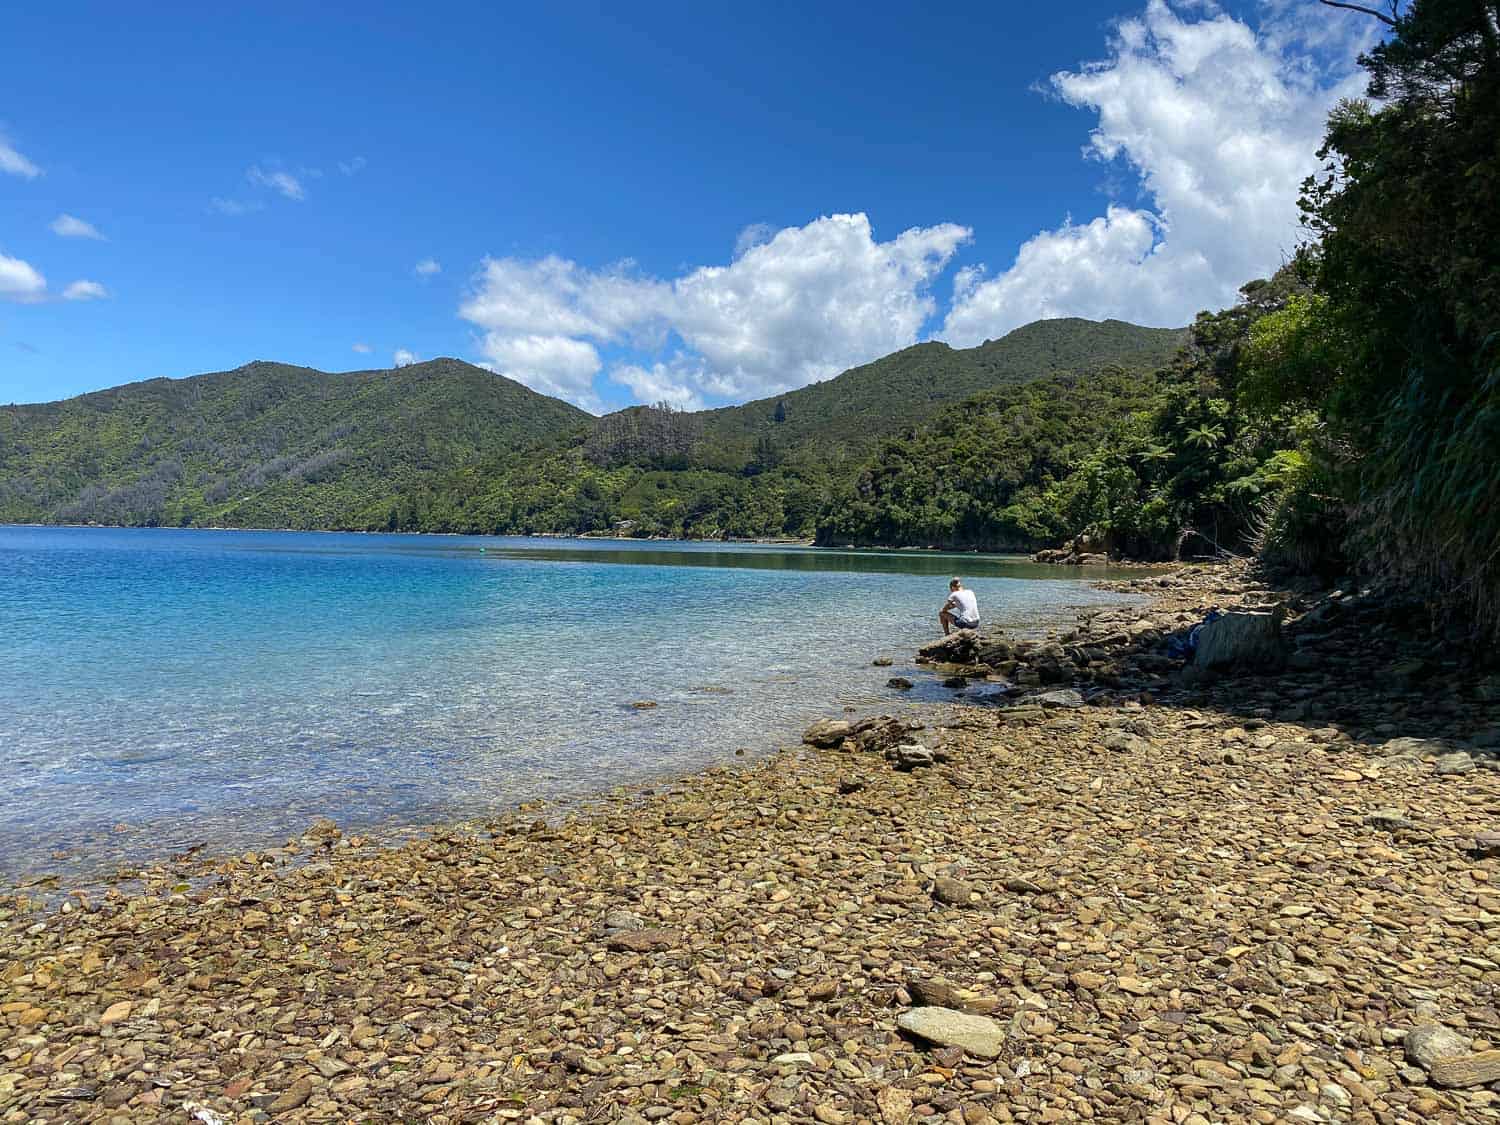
961	610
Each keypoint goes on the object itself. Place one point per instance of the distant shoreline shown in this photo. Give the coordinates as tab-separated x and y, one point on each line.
592	536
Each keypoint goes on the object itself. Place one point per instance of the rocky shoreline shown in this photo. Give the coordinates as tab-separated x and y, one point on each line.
1091	887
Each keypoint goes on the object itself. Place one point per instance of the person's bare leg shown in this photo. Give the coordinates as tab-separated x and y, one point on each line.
945	619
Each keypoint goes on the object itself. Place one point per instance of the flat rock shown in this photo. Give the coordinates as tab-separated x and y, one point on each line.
1063	698
115	1013
827	733
1478	1069
1454	763
953	892
941	994
1426	1045
294	1097
641	941
977	1035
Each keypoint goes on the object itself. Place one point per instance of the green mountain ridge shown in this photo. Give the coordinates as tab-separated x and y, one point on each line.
263	445
858	406
446	446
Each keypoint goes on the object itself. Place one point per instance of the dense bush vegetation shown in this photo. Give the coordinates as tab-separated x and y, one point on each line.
1345	413
1138	461
444	446
266	445
1405	343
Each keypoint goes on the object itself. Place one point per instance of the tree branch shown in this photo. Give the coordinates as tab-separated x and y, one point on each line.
1381	16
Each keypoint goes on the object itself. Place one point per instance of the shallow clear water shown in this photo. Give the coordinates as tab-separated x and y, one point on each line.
163	688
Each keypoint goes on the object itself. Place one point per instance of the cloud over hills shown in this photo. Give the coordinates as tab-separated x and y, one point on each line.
1221	125
802	305
1216	123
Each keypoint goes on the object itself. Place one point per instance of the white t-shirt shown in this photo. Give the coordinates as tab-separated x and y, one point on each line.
964	604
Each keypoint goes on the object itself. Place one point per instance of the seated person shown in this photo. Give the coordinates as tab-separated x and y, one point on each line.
961	610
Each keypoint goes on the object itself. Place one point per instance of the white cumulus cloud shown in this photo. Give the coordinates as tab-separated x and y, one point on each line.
427	267
283	182
20	281
660	383
71	226
1220	122
84	290
555	365
403	358
792	307
14	164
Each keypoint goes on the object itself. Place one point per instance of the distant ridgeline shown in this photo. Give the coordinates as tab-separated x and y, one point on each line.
445	446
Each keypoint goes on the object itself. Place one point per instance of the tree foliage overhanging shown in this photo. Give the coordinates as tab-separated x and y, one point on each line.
1344	413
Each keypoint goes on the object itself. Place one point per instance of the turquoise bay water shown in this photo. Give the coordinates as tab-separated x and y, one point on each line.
161	689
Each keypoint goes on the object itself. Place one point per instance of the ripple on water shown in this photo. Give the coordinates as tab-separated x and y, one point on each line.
226	687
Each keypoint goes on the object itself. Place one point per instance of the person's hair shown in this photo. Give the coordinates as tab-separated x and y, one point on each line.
952	582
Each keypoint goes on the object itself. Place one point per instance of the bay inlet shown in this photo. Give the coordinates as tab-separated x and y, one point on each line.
164	689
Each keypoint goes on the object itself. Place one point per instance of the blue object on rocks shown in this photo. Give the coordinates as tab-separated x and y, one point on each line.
1183	646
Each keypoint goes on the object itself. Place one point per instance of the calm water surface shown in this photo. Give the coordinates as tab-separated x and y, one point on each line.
160	689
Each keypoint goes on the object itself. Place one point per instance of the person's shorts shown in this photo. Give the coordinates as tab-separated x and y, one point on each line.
962	624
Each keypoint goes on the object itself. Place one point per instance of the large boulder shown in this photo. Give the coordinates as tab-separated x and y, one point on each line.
880	732
1242	639
827	733
959	647
995	651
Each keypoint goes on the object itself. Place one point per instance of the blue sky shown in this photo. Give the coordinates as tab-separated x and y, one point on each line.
696	203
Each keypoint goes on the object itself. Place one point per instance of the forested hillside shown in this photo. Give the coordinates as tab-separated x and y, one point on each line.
1139	461
264	445
1345	415
444	446
767	468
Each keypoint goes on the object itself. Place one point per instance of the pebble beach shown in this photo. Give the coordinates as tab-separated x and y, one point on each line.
1110	892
